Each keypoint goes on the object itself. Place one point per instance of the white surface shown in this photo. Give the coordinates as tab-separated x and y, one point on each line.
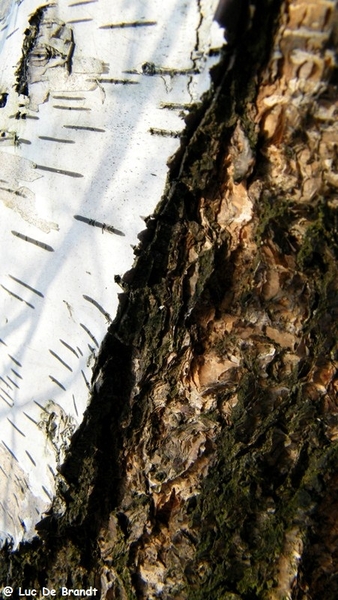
114	174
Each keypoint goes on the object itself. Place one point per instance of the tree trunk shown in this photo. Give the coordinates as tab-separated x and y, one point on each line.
206	463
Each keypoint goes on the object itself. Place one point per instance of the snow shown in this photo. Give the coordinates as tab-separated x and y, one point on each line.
85	150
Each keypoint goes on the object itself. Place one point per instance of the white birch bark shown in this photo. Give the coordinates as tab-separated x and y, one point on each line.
92	99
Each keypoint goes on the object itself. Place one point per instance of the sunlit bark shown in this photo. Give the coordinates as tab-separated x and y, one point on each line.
206	463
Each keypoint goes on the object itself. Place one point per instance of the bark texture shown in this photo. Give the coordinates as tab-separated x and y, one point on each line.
206	466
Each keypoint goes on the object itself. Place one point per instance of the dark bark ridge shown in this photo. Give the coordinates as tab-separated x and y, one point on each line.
205	463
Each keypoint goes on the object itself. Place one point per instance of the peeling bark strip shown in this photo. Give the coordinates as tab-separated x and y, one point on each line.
46	41
131	24
206	464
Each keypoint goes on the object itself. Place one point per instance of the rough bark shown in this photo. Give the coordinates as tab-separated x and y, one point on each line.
206	464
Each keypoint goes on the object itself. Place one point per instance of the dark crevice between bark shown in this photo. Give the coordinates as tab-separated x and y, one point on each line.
29	42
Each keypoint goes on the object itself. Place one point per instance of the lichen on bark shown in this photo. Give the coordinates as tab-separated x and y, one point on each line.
205	465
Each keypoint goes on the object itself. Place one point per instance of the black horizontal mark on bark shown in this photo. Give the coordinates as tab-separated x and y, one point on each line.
6	383
80	108
4	399
58	140
59	97
81	3
47	493
16	373
60	360
150	69
31	458
103	226
69	348
84	128
31	418
90	334
7	394
10	451
15	192
15	360
17	297
26	286
12	33
23	116
57	382
15	427
13	382
79	21
59	171
85	380
114	81
130	24
98	306
40	406
174	106
164	132
30	240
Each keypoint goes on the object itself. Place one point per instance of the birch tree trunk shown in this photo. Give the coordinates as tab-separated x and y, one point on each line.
206	464
93	99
